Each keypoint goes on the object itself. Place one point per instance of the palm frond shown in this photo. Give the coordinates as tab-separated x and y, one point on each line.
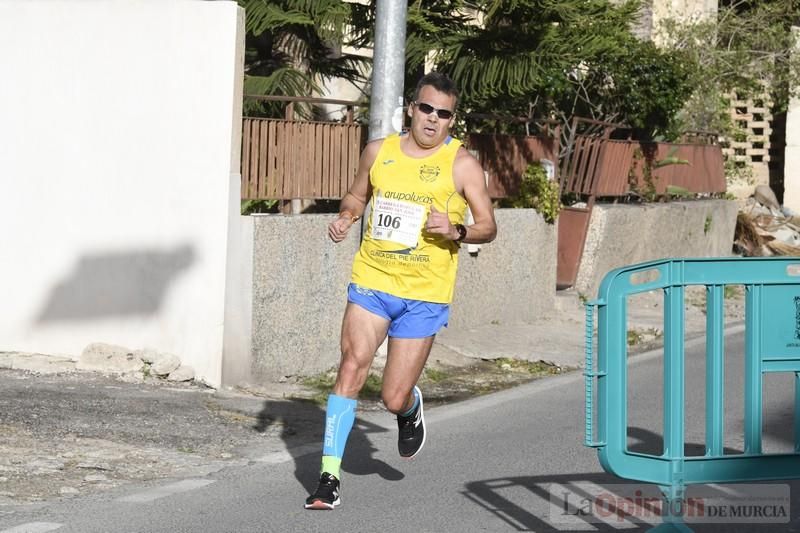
291	43
285	81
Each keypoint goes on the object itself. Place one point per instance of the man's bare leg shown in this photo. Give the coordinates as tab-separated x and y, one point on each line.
362	333
407	358
404	364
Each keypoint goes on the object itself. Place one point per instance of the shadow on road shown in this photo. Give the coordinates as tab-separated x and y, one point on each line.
301	424
644	441
519	501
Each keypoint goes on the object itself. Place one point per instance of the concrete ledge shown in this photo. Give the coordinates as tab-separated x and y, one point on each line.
37	363
621	235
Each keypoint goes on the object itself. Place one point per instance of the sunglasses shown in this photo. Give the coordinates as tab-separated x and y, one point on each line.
427	109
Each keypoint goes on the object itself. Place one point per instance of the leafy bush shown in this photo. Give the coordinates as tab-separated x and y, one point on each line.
538	192
259	206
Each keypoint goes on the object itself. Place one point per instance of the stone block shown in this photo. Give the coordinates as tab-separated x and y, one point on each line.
164	364
102	357
182	373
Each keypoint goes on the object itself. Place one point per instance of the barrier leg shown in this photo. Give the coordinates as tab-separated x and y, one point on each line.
715	370
673	510
797	412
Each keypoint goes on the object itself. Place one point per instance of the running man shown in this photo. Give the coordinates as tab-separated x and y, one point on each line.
420	183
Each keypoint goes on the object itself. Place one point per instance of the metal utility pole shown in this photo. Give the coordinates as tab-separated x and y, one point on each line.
388	67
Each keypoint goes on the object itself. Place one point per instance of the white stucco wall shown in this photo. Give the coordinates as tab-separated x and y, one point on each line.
119	145
791	156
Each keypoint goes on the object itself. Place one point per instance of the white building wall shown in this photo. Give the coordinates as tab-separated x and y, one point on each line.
685	10
118	161
791	158
655	12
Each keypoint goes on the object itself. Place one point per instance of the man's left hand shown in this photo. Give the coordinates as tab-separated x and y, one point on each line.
439	223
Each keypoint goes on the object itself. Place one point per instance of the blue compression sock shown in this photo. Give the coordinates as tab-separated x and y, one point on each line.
339	417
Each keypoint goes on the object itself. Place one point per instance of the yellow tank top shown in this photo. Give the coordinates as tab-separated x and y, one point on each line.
397	256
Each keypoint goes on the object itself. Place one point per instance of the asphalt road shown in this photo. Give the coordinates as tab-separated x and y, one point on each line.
490	464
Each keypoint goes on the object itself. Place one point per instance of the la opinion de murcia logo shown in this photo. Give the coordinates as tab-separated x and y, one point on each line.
428	173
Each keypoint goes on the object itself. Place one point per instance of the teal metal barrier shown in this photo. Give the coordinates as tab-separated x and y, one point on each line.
772	344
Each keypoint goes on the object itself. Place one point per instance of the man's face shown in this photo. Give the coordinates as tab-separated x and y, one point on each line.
427	128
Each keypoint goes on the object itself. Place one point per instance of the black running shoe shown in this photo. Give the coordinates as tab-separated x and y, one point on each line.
326	497
412	431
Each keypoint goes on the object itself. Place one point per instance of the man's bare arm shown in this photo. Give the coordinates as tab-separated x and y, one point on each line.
468	174
352	205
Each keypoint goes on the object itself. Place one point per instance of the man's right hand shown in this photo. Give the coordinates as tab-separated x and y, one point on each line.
338	229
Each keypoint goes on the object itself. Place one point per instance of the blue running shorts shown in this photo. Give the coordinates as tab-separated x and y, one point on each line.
408	319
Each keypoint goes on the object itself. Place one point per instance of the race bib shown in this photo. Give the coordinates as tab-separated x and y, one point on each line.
397	221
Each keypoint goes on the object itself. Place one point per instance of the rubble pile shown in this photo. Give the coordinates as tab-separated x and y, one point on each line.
765	228
134	365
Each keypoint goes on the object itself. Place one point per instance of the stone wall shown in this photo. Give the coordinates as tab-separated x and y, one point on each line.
513	278
621	235
300	276
300	279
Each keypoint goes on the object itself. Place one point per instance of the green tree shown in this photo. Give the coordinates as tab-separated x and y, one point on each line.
747	49
549	59
431	25
292	45
641	86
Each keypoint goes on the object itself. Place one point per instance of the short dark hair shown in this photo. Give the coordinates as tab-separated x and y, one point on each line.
440	82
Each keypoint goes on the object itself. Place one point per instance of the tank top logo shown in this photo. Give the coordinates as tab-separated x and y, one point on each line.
428	173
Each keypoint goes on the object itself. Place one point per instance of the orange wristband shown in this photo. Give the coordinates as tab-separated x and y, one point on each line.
353	219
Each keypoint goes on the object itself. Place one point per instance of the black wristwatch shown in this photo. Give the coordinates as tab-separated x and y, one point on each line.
462	232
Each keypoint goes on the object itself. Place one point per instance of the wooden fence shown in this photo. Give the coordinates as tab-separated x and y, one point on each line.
284	159
288	159
506	157
602	167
